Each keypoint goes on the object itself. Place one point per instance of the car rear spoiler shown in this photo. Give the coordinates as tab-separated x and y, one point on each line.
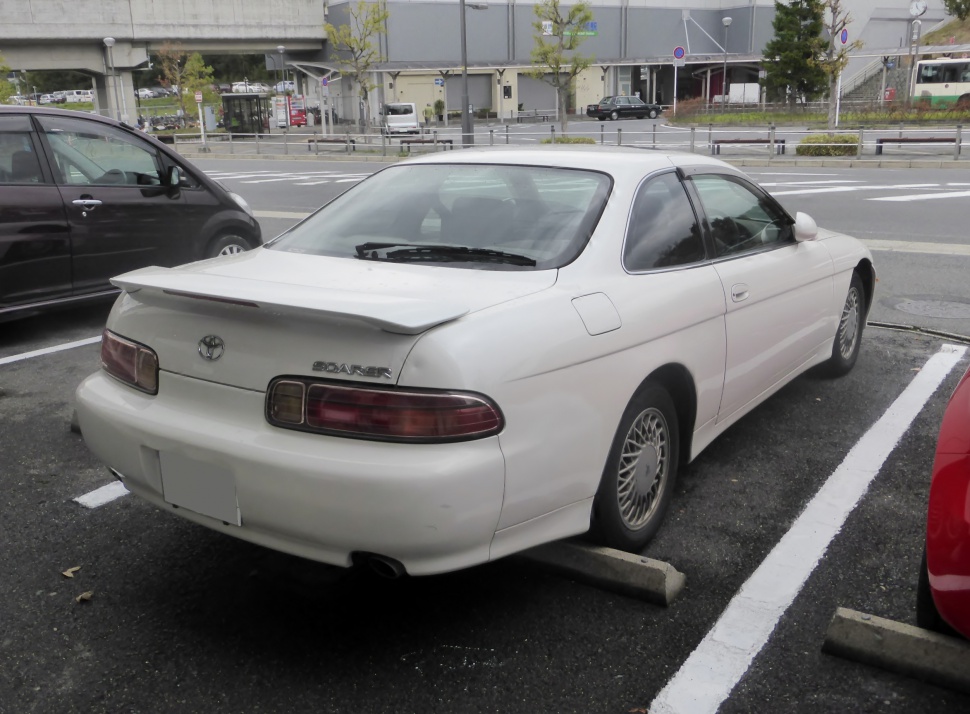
391	313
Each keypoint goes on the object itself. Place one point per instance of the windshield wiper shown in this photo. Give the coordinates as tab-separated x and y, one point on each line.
432	253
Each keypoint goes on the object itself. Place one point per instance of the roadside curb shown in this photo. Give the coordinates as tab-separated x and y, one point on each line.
901	648
628	574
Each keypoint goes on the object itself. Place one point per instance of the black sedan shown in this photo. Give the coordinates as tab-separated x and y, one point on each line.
617	107
84	198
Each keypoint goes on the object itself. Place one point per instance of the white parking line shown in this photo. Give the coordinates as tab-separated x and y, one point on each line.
103	495
710	673
49	350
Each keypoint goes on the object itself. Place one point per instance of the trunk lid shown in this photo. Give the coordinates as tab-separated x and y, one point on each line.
279	313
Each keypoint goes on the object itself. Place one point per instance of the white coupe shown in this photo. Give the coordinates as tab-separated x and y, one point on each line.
469	354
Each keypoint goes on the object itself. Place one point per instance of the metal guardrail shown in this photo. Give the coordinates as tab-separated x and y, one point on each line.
769	141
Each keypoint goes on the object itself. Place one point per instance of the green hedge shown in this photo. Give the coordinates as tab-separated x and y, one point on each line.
570	140
828	145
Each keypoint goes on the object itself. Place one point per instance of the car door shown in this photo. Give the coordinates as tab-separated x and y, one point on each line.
675	291
121	216
778	292
35	248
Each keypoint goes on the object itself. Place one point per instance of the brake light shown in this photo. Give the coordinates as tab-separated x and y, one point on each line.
381	414
129	362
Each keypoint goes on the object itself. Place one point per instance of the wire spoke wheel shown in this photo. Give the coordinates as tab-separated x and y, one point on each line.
849	324
643	468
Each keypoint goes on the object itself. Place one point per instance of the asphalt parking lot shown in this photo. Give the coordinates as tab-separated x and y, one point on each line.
179	617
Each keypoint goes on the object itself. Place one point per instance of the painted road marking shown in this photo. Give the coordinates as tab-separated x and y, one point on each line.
281	214
924	196
713	669
105	494
909	246
870	187
50	350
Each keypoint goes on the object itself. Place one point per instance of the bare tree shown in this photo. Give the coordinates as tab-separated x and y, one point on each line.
356	51
554	56
837	55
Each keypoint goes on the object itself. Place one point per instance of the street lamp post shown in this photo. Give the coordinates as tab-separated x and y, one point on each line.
726	21
109	42
467	132
279	73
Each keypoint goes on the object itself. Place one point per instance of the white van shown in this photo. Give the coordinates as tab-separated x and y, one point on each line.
400	118
79	95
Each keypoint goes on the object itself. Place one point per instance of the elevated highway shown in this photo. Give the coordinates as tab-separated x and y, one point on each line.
69	34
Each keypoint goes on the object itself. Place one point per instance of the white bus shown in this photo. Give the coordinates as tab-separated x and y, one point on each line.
943	81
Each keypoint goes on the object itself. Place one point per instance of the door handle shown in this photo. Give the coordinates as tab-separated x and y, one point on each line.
739	292
86	203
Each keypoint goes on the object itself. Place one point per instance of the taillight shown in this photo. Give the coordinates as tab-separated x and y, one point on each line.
381	414
130	362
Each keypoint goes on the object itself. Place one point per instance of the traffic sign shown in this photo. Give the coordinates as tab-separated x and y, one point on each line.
844	36
439	82
324	81
198	97
679	55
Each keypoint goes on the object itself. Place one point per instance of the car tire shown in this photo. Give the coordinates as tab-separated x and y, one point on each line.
638	479
927	616
652	114
848	336
614	116
227	244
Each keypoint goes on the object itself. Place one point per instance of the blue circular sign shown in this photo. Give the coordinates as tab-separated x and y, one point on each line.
844	36
679	53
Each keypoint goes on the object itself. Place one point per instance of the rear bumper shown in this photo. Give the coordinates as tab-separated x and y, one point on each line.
433	507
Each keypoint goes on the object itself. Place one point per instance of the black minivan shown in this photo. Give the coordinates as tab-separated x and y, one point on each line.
84	198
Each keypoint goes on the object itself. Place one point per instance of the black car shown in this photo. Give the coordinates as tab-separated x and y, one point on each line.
617	107
84	198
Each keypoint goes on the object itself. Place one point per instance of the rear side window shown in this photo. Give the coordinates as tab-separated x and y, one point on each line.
91	153
19	161
663	230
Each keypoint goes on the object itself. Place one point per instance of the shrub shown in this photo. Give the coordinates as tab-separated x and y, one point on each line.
569	140
828	145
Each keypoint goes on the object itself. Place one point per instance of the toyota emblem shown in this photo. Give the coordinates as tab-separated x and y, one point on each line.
211	347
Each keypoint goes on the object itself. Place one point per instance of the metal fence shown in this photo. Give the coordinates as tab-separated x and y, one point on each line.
768	141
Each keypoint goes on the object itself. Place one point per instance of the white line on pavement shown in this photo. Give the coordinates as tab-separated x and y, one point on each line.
105	494
713	669
808	183
280	214
924	196
912	246
50	350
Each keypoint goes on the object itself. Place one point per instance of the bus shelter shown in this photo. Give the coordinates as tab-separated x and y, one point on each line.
246	113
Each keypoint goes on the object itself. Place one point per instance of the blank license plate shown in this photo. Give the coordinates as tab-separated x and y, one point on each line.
199	486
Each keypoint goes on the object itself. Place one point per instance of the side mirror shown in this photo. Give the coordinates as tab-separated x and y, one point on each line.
174	181
805	227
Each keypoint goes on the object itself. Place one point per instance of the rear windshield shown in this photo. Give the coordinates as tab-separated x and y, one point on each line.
399	109
492	217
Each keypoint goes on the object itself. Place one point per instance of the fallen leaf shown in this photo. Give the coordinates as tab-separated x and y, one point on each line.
85	596
69	573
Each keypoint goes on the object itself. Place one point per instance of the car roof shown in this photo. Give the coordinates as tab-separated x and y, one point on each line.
58	112
615	160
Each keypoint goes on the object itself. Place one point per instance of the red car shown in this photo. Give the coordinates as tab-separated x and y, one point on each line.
943	594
